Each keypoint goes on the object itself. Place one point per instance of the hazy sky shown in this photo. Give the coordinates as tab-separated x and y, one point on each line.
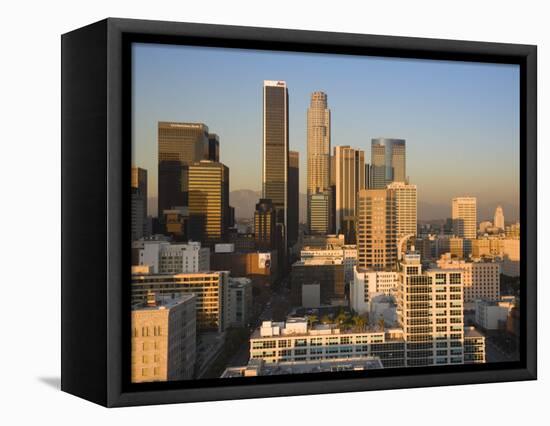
460	120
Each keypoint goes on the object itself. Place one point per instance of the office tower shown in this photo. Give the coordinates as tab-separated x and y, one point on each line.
168	258
275	151
474	346
265	225
179	144
388	162
367	176
318	147
213	153
430	312
139	202
176	223
499	218
349	178
464	216
208	202
293	196
376	229
405	208
211	290
319	213
163	338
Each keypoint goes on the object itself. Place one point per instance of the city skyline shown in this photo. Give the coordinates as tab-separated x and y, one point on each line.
354	123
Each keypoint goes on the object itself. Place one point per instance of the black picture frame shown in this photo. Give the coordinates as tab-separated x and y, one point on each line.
95	202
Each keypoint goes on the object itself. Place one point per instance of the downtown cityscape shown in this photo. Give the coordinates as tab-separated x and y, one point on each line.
344	275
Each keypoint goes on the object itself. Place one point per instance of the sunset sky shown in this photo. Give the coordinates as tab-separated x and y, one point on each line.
460	120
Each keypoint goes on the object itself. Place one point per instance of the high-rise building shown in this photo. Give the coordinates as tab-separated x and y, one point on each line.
163	338
464	216
275	150
240	302
376	229
209	214
430	311
293	196
213	147
405	208
388	162
319	212
328	274
318	147
499	218
211	290
139	202
179	144
349	176
265	225
176	223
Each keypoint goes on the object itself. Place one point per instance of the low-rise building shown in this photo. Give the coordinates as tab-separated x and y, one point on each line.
295	341
492	315
174	258
258	367
329	274
211	289
163	338
240	302
368	283
474	346
481	278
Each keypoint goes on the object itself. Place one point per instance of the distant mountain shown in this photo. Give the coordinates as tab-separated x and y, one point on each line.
244	201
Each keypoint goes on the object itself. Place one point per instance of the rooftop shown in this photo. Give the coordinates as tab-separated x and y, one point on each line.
259	368
163	302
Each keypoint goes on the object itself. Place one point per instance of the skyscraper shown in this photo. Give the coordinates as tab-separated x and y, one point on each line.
405	208
213	147
208	202
318	147
293	196
388	162
319	213
179	144
349	177
376	229
499	218
139	202
264	224
464	216
275	150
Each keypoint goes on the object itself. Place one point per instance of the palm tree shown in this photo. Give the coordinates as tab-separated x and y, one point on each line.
312	319
381	323
325	319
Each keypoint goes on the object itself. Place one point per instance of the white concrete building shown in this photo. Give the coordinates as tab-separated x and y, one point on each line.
367	283
492	315
499	218
430	311
295	341
169	258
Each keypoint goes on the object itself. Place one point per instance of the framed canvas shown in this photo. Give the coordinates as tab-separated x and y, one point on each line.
255	212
